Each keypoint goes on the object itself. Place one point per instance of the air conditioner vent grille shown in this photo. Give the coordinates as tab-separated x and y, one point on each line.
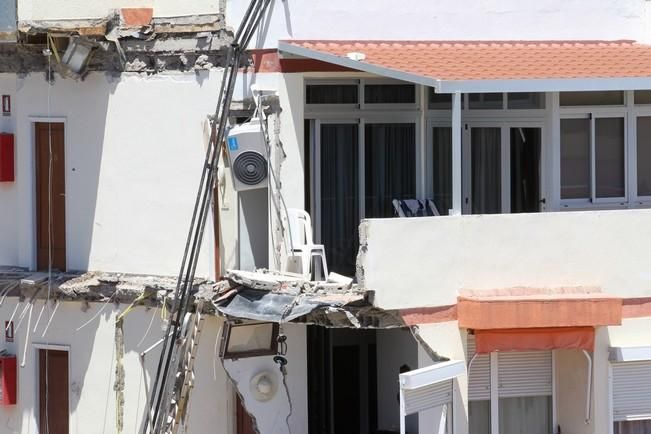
250	167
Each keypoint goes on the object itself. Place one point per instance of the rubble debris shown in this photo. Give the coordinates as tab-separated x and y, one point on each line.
242	296
146	45
281	297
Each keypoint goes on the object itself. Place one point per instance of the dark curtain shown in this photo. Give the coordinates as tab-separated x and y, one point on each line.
340	196
390	165
442	169
486	171
318	380
331	94
389	94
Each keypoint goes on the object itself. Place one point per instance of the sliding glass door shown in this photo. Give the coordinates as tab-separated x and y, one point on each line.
501	169
338	194
390	166
485	170
358	169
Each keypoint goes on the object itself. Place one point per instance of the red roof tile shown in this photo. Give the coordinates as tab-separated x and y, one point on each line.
498	60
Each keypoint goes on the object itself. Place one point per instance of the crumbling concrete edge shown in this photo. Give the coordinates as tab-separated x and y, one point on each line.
360	263
436	358
237	390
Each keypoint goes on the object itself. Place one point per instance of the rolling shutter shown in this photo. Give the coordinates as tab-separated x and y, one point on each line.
479	376
631	390
524	373
431	396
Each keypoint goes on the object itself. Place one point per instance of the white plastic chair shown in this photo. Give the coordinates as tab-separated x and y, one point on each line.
300	229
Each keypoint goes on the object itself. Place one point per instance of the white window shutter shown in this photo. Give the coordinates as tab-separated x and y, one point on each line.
631	390
479	376
431	396
524	373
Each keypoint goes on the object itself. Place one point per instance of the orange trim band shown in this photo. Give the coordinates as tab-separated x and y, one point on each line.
537	339
631	308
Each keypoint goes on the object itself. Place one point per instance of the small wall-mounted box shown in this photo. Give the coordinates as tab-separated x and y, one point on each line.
6	157
7	380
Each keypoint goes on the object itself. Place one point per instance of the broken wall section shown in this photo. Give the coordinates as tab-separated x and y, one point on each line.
278	415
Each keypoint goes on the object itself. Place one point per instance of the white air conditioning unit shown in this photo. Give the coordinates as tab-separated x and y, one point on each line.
247	153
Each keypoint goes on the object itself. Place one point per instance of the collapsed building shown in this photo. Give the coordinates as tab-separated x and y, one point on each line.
435	228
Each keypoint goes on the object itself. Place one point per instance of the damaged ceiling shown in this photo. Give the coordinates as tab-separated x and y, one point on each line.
242	296
122	44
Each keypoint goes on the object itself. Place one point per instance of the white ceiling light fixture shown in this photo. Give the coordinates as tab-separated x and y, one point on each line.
263	386
76	56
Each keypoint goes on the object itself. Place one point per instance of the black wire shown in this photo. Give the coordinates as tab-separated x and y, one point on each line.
185	280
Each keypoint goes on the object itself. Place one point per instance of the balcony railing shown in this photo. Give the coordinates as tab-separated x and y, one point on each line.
426	261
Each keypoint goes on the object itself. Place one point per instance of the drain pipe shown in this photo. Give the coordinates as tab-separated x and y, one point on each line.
588	388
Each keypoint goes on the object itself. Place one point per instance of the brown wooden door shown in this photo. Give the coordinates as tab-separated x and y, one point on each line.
245	423
53	392
46	135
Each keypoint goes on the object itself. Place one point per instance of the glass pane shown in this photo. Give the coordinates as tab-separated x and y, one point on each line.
575	158
632	427
610	97
246	338
530	415
442	169
526	100
485	101
390	164
389	94
440	101
644	156
340	196
486	171
479	417
525	170
331	94
643	97
609	155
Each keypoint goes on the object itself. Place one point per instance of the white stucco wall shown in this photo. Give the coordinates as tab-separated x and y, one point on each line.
450	19
446	340
134	153
79	9
441	255
92	370
271	416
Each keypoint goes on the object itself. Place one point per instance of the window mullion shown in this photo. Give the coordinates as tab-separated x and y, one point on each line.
362	168
593	161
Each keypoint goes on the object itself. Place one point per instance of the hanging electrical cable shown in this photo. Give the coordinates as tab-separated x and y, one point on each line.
48	53
161	399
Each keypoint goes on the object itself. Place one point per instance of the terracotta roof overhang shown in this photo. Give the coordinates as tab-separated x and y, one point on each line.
526	308
491	66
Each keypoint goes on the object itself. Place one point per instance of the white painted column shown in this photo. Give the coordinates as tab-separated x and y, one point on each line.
456	154
495	421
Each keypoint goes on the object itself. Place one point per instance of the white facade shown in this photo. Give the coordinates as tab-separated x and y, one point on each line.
134	148
451	20
34	10
91	358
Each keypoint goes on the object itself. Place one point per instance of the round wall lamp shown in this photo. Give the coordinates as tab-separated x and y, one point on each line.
263	386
